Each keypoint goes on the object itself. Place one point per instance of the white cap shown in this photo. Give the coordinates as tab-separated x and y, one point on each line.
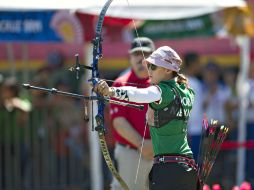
165	57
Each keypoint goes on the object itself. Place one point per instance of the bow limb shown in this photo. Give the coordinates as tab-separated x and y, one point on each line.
97	54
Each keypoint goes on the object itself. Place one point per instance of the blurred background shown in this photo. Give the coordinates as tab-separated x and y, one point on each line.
45	142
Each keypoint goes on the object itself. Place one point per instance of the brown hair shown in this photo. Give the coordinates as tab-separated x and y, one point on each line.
181	78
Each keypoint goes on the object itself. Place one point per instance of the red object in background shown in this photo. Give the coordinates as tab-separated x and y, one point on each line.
59	144
87	22
121	22
245	186
235	188
206	187
252	57
227	145
216	187
112	27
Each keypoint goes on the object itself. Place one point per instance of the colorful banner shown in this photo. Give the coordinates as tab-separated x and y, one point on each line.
173	29
40	26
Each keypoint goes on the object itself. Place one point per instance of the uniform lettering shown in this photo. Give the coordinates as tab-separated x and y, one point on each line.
186	113
186	101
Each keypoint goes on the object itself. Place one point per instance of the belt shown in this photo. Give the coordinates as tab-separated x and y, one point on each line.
175	159
127	146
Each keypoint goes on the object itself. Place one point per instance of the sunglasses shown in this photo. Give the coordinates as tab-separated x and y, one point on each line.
151	66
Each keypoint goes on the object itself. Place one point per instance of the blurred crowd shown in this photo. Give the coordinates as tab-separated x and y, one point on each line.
217	96
43	139
39	130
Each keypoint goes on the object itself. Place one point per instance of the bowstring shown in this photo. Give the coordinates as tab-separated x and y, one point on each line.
143	55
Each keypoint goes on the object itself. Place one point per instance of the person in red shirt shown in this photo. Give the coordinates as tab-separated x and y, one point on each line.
129	129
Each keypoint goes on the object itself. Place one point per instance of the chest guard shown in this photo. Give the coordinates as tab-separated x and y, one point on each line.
172	111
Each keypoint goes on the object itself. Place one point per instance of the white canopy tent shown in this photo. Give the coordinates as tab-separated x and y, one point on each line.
152	10
136	9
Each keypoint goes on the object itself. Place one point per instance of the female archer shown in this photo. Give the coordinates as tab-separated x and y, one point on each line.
170	102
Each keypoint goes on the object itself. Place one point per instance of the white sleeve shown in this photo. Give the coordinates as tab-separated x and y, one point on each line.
138	95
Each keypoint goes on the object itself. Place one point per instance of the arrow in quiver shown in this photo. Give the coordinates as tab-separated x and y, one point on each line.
213	135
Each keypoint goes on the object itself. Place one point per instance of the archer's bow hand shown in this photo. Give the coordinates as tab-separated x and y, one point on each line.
103	89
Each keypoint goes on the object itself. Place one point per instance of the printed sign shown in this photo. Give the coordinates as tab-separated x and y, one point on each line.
172	29
40	26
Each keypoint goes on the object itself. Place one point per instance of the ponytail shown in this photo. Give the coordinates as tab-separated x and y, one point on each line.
181	79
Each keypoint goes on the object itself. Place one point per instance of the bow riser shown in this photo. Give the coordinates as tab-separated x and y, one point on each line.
97	54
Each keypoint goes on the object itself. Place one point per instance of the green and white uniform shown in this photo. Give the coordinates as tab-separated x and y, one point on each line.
171	138
169	109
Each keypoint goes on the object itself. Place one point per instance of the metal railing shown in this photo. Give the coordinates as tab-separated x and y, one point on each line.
37	153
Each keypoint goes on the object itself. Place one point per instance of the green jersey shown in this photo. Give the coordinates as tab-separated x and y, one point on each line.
171	137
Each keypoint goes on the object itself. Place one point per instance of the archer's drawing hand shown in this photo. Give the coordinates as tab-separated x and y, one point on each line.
102	88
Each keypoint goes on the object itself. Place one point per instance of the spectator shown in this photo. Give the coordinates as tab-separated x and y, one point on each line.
13	120
231	105
215	93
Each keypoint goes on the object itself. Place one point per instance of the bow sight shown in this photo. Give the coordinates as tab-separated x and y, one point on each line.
78	68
